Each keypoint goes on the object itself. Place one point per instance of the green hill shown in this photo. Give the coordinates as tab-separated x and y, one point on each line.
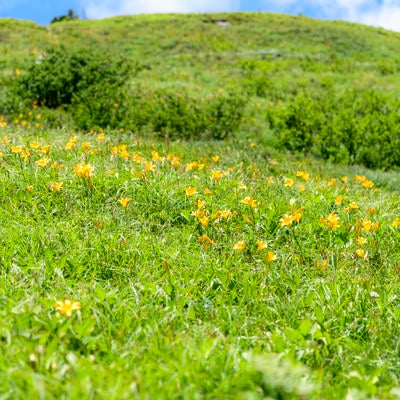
178	47
271	67
169	227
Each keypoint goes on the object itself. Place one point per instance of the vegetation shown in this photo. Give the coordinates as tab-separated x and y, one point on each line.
169	228
70	16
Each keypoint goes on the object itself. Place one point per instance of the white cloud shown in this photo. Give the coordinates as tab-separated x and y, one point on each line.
387	17
108	8
382	13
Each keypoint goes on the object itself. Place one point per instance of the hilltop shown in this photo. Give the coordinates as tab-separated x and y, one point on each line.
177	48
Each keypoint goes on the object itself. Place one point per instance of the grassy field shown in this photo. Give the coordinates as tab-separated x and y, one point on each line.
133	266
216	270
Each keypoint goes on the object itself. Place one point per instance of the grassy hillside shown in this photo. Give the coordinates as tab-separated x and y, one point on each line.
148	260
178	47
277	64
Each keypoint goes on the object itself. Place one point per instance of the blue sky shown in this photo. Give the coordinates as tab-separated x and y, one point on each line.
383	13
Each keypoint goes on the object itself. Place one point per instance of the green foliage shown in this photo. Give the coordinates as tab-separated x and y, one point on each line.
179	115
102	106
53	79
161	292
70	16
165	112
351	127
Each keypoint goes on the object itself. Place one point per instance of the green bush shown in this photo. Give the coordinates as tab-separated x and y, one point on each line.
352	127
178	115
165	112
102	106
55	78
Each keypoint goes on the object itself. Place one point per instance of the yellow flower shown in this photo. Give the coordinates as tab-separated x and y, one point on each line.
149	167
241	245
136	158
270	180
191	166
249	221
124	201
271	257
396	222
367	224
201	216
332	182
339	200
361	253
85	146
222	214
70	145
55	165
44	150
200	204
298	214
332	220
42	162
190	191
25	154
174	160
217	175
34	145
55	186
361	240
83	170
29	188
359	178
215	158
207	191
155	156
368	184
261	245
354	206
303	175
248	201
344	179
16	149
66	307
289	182
203	240
286	220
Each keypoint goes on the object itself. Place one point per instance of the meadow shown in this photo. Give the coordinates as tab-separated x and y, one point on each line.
148	264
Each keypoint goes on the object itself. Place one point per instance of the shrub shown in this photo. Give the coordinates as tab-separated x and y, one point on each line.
178	115
351	127
54	78
104	106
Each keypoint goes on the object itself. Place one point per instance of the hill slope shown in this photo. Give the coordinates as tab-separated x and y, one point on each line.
178	47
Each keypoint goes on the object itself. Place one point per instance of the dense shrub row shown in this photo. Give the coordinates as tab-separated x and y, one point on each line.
93	90
88	89
169	113
354	126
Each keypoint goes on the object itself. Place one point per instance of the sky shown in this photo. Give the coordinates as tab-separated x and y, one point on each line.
381	13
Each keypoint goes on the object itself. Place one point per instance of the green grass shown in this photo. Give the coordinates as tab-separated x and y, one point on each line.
181	299
194	50
164	316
